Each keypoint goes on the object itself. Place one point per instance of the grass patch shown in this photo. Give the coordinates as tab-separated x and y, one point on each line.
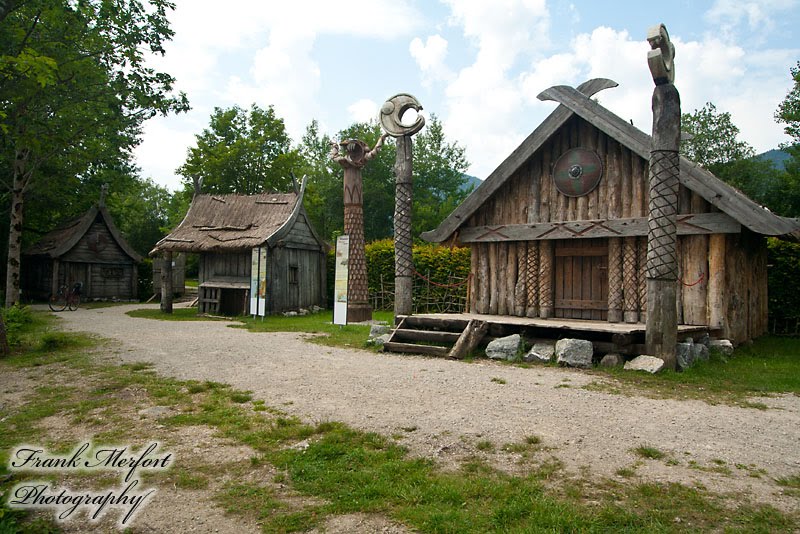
771	365
497	380
650	453
178	314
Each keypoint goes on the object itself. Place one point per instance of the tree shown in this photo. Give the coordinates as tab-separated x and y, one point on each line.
439	178
243	152
789	110
323	199
74	92
713	139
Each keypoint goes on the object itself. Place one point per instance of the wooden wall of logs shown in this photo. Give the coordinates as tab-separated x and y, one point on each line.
723	266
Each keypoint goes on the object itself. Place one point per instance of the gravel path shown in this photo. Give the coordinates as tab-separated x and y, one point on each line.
444	408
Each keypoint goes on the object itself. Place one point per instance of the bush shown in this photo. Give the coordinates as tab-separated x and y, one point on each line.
15	319
784	272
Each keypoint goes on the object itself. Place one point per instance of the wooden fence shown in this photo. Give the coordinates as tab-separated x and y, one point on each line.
429	296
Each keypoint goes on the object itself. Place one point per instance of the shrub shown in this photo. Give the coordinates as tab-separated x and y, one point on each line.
784	299
15	319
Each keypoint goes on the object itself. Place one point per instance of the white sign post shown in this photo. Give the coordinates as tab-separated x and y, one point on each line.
258	282
340	283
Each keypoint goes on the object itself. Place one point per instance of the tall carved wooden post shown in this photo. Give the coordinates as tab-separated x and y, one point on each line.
391	120
662	264
356	155
166	282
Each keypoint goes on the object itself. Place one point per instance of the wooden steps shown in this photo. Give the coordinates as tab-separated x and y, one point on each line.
452	338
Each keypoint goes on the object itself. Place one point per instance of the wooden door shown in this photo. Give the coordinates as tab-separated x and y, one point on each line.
581	279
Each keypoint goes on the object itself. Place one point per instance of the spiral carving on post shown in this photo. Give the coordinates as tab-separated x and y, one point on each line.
642	258
614	279
545	279
630	268
662	260
520	292
357	292
532	281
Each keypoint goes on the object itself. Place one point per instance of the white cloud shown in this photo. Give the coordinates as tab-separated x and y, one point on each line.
363	110
430	58
758	15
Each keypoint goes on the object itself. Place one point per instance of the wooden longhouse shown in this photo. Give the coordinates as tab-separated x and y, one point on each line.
544	251
90	250
224	230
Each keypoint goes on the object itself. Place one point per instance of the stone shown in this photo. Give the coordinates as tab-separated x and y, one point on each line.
302	311
381	340
504	348
722	345
651	364
540	353
612	360
700	352
290	314
315	309
705	339
684	353
575	353
377	330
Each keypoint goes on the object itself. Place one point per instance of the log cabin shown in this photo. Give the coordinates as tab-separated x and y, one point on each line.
559	229
225	229
89	249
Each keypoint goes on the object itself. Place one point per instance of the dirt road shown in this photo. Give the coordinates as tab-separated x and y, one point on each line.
444	408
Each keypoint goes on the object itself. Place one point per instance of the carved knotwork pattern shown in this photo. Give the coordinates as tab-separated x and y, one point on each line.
357	291
520	293
662	261
614	274
404	263
532	272
642	252
630	268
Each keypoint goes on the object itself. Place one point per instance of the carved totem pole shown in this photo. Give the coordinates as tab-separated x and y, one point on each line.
356	155
391	120
662	264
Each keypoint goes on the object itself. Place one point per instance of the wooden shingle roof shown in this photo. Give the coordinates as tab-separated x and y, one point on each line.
58	242
223	223
578	102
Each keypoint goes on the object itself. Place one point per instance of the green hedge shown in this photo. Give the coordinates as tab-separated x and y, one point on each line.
439	265
784	274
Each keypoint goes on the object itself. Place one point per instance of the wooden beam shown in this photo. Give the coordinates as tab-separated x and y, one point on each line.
469	339
689	224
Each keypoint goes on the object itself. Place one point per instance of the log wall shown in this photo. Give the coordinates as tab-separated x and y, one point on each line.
711	265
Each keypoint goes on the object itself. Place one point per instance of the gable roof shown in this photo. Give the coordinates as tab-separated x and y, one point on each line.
58	242
223	223
578	102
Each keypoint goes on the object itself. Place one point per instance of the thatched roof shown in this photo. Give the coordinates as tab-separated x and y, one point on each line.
58	242
578	102
225	223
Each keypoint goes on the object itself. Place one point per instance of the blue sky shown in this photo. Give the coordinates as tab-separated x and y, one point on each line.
478	65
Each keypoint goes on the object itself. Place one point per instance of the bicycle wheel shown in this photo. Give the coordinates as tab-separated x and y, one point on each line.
74	302
57	301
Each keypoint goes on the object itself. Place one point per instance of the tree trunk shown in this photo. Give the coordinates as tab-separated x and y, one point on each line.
5	350
15	228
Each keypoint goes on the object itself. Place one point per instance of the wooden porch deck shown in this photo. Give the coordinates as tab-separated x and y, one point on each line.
575	325
438	334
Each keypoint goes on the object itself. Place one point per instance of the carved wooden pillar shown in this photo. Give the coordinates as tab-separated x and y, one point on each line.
532	282
630	273
391	120
641	246
546	279
166	282
662	264
357	154
614	280
520	290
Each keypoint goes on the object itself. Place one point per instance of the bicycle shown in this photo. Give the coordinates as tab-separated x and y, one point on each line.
66	298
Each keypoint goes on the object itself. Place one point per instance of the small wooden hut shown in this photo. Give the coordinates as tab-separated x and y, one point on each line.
559	229
224	230
90	250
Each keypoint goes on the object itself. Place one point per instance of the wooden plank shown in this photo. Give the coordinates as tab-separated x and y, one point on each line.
457	323
716	281
469	339
434	336
581	304
493	278
411	348
580	251
694	279
689	224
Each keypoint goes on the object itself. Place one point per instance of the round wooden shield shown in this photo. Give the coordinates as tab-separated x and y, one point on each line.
577	172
